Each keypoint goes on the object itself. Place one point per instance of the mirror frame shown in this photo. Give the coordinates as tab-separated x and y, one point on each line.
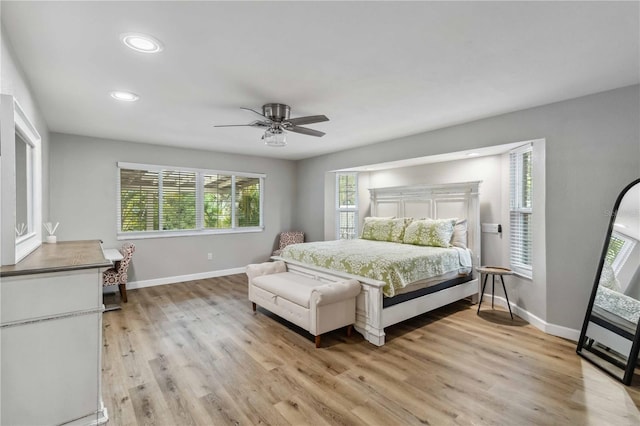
630	365
14	120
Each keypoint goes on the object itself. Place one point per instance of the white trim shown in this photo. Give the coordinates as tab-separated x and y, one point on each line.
515	208
159	168
537	322
24	126
15	121
143	235
182	278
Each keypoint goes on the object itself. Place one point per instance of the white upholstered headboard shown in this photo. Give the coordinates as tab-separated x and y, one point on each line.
435	202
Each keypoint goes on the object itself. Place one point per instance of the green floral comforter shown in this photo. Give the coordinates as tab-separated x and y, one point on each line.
396	264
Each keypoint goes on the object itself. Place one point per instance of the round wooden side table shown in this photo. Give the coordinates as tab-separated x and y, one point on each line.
493	271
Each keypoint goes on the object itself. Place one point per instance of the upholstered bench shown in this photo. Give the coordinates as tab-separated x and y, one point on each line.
314	305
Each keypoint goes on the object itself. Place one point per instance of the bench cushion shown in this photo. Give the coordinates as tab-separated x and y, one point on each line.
293	287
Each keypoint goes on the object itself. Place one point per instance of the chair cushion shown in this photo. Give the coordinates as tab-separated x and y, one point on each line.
293	287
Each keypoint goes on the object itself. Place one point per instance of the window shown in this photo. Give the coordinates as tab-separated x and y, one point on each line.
620	247
159	201
520	209
346	206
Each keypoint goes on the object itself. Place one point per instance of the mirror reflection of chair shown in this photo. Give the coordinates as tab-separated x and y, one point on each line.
610	336
118	274
288	238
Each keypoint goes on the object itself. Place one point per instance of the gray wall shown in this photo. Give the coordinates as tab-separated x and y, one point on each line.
83	200
592	152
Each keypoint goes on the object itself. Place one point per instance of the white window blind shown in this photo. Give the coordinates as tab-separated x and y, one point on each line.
178	200
157	201
217	201
248	211
346	206
520	209
139	190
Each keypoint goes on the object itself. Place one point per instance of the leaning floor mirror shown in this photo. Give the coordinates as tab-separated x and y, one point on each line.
610	336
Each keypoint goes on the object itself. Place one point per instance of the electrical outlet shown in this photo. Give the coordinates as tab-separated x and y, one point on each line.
209	256
491	228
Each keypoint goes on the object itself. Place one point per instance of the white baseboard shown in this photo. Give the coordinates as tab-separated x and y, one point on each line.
540	324
131	285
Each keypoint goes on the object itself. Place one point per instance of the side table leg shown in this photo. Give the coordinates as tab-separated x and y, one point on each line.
505	295
493	288
482	295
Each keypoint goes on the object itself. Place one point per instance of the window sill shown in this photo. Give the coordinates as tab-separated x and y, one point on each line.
523	275
170	234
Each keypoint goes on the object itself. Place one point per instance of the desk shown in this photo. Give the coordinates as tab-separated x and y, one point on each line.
493	271
113	255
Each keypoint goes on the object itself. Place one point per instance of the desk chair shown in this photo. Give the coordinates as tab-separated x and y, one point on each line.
118	274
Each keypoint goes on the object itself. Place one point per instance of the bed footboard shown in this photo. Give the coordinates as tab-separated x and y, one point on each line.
369	318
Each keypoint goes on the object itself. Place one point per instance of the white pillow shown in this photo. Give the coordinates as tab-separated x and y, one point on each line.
459	237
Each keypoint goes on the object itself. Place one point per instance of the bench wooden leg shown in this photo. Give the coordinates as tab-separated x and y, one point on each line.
317	341
253	305
349	330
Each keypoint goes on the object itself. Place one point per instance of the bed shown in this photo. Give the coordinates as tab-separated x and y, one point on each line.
400	281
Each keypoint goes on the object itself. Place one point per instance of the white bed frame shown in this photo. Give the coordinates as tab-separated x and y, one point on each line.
419	201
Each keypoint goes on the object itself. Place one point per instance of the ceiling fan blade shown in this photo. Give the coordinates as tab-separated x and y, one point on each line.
231	125
305	131
253	110
308	119
256	123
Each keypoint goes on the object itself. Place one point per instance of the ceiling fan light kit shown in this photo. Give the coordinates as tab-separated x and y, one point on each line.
276	120
275	138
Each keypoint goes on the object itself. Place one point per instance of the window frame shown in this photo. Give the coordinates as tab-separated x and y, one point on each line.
200	229
339	209
515	207
628	244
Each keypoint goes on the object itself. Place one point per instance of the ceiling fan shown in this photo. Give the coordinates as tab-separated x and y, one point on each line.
276	121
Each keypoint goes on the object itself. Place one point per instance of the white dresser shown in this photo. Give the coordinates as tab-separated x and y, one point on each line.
51	336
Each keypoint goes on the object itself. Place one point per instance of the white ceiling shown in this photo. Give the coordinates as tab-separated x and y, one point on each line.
378	70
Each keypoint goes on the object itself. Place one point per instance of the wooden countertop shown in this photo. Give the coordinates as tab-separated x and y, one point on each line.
61	256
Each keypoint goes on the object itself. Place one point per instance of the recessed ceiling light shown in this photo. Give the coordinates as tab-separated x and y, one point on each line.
141	42
124	96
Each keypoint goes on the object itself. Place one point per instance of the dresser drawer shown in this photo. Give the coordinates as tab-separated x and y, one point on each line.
43	295
51	371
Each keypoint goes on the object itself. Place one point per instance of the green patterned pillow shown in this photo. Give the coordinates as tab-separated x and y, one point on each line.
429	232
383	229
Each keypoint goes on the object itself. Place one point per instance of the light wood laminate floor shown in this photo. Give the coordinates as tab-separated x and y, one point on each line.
194	354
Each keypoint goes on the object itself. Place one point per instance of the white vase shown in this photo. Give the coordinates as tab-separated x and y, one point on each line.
51	239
